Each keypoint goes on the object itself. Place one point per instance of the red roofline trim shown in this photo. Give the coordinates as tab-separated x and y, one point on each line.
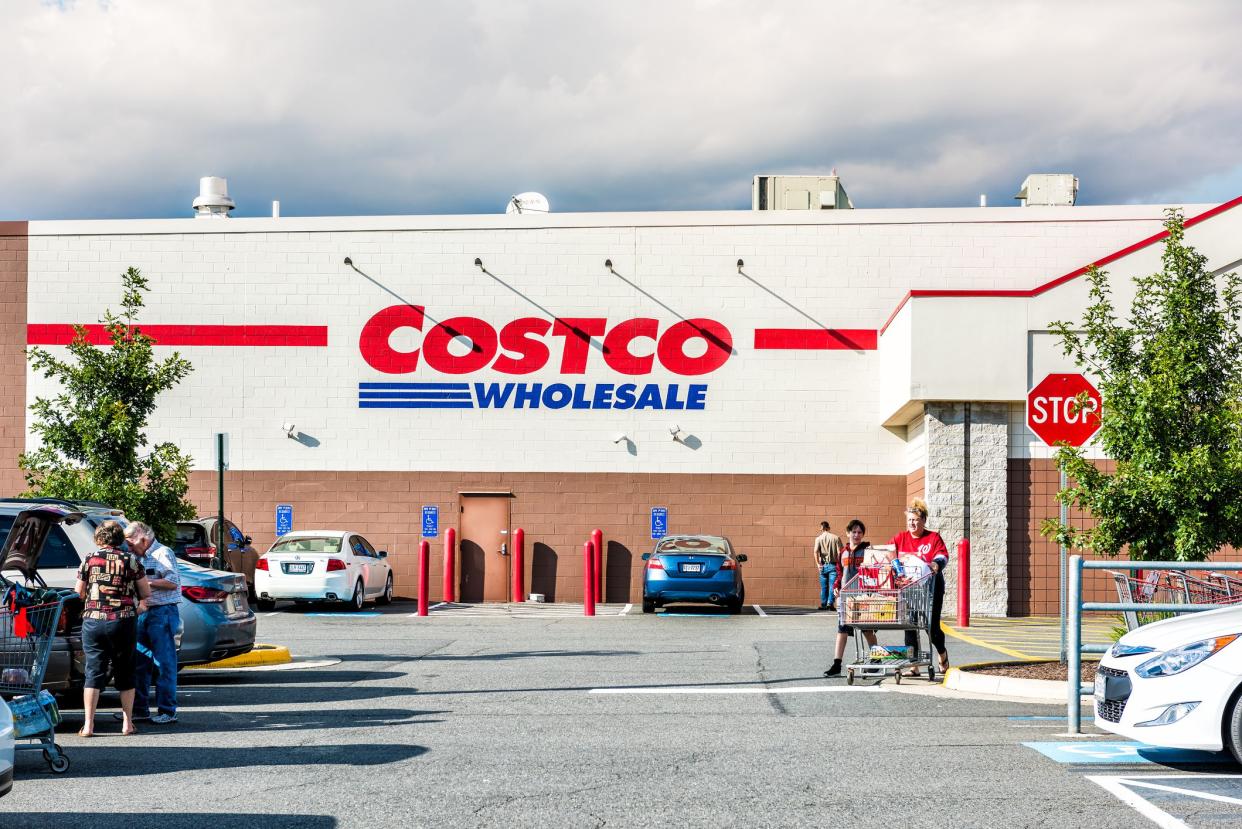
1060	280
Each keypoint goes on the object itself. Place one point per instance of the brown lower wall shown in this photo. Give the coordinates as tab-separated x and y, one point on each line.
771	518
1034	562
14	261
916	484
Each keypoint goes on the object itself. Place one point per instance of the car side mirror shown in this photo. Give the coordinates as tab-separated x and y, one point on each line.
247	540
383	554
742	557
646	556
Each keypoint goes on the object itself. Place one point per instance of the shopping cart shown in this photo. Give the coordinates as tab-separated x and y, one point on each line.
1171	587
26	635
881	597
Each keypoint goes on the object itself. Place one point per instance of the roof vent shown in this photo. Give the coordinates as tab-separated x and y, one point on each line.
213	200
1048	190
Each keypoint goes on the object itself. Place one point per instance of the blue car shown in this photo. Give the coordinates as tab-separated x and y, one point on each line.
698	569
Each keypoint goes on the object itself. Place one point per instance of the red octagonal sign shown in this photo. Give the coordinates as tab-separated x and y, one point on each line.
1053	413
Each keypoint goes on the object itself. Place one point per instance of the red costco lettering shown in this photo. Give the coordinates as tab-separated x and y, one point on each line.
521	346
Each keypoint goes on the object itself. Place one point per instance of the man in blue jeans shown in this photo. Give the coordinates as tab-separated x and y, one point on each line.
827	558
157	628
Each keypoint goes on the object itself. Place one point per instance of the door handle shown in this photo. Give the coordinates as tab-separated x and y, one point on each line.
504	549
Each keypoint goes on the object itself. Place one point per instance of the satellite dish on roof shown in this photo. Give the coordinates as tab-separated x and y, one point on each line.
528	203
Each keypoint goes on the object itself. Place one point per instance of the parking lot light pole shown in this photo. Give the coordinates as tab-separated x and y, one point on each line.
221	463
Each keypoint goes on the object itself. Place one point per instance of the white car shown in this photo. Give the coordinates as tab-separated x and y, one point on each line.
6	748
1176	683
323	565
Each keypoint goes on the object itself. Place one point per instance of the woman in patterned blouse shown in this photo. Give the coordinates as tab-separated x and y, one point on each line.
114	587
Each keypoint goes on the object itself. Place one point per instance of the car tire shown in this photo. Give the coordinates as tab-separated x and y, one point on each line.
648	607
386	596
264	604
358	599
1233	727
735	607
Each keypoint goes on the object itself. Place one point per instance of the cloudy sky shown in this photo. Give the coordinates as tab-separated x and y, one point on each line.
115	109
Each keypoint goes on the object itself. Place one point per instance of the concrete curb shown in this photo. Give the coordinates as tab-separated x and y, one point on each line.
961	679
260	655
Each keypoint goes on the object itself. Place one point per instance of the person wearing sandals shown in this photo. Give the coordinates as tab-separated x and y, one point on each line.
851	560
113	586
927	545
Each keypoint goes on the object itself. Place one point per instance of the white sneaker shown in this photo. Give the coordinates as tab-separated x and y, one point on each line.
164	719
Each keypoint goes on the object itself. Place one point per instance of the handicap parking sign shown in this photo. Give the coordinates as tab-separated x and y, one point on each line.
431	522
284	519
659	522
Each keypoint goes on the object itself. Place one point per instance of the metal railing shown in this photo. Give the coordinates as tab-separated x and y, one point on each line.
1076	607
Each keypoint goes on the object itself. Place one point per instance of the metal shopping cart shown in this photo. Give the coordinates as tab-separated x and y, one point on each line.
882	597
26	635
1171	587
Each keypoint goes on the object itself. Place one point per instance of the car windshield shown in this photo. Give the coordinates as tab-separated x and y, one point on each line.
698	544
316	544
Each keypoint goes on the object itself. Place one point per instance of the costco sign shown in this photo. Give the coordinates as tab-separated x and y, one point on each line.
466	345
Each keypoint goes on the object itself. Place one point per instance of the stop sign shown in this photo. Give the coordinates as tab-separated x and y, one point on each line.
1053	413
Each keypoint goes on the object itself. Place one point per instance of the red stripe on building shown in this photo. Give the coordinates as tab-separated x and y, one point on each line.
1061	280
816	339
315	336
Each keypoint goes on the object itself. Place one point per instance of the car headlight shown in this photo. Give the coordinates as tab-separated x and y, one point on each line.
1183	658
1130	650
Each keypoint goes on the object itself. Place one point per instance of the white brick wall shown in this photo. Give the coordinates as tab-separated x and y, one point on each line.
767	412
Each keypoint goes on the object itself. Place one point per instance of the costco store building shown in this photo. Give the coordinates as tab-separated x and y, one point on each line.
752	372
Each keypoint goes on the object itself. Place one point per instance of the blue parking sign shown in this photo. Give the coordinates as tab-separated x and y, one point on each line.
284	519
659	522
431	522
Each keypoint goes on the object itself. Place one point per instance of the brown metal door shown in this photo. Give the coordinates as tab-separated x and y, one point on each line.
485	548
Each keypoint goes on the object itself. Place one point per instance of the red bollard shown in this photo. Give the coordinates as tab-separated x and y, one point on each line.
519	565
963	583
424	564
588	579
597	539
450	564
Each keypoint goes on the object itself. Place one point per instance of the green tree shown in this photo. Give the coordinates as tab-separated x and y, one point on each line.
1171	383
93	434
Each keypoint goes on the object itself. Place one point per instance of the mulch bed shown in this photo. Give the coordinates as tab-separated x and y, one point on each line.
1056	671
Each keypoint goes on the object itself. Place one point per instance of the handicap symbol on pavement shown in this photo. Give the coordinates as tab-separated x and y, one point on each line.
1119	754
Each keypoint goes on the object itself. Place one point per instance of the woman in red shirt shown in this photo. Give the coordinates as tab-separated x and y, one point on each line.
919	541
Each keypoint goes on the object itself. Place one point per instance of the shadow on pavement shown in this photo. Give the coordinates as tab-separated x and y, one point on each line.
102	757
166	820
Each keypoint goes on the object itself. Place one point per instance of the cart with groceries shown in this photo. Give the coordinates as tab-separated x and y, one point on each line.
26	634
890	592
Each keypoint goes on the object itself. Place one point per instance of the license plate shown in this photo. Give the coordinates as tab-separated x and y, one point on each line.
692	568
299	568
1100	683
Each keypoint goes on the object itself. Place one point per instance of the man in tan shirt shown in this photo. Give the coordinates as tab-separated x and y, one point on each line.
827	558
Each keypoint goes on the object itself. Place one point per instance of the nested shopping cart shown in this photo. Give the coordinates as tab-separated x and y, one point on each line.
26	636
881	597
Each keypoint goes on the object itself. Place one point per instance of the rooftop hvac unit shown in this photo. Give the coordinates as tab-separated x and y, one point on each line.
1048	190
798	193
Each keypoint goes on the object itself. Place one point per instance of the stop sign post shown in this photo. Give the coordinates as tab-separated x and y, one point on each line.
1054	414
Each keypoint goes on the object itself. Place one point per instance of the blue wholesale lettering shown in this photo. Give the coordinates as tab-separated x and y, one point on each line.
653	396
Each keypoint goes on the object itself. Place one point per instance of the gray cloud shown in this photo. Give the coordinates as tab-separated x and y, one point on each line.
115	109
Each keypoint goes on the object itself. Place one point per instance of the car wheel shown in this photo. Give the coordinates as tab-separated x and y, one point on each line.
1233	728
265	604
356	601
648	607
386	596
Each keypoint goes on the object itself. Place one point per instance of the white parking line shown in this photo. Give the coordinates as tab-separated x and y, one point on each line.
1156	815
799	689
759	610
429	609
625	610
273	613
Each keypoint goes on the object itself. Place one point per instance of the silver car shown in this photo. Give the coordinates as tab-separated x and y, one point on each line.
216	619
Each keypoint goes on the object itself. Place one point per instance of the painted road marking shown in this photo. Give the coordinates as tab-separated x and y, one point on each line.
957	634
1120	754
1123	788
367	615
625	610
759	610
799	689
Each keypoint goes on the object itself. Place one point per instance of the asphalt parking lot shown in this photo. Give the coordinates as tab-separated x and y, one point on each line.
506	717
